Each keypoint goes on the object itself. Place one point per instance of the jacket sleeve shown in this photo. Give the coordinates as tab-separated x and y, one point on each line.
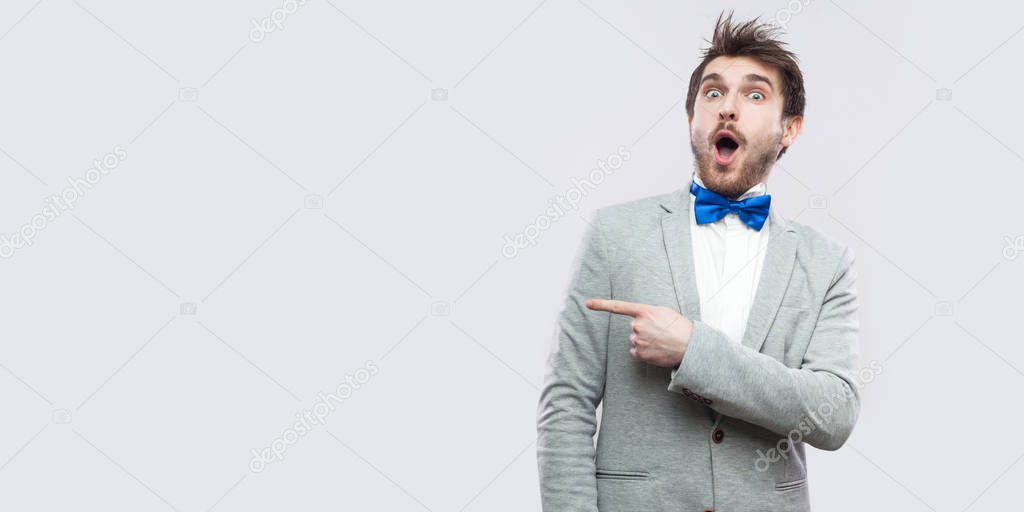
574	386
820	401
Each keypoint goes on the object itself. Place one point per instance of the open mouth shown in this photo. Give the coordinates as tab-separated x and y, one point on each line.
726	147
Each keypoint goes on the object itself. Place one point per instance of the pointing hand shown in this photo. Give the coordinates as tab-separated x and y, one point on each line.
660	334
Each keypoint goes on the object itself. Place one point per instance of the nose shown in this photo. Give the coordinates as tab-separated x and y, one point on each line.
727	111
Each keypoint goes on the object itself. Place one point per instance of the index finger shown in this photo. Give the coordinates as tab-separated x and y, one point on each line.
620	307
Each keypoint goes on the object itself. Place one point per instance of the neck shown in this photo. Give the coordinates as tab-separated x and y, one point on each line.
758	189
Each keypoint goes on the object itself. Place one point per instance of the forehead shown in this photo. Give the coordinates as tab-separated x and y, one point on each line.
733	69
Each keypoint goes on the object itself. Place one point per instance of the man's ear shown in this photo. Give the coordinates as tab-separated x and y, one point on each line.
791	130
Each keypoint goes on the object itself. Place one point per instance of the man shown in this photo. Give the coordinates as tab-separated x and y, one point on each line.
718	336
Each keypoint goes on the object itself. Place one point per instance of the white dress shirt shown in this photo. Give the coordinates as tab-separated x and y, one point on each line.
728	256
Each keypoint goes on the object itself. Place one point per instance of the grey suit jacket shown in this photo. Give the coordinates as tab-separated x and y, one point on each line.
725	430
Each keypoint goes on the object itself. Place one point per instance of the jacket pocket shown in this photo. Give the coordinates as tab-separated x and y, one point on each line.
793	484
619	474
628	491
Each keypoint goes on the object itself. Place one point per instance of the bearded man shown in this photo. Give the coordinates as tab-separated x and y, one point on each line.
718	337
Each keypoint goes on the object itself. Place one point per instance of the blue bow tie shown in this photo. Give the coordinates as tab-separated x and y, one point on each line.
709	207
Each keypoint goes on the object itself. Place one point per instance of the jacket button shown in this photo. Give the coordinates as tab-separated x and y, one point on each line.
718	436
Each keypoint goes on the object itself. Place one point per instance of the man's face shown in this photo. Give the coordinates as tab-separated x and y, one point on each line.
737	129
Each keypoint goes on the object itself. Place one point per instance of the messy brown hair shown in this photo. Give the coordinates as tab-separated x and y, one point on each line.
757	40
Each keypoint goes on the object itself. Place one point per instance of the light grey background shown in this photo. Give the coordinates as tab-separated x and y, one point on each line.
336	193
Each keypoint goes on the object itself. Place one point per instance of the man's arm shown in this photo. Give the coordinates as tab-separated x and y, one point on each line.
574	386
820	400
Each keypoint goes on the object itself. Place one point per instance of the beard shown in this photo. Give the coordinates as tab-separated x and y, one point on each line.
758	158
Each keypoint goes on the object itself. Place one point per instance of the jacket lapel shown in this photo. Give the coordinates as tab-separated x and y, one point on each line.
675	229
779	258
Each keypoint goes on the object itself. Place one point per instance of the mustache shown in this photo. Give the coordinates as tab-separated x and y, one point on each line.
739	136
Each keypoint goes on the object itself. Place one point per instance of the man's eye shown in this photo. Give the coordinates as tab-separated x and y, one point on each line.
756	95
714	92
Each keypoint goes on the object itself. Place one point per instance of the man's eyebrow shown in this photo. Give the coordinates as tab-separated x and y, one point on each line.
714	77
751	77
754	77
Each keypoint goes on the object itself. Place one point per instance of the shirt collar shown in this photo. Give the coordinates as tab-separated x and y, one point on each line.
757	190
